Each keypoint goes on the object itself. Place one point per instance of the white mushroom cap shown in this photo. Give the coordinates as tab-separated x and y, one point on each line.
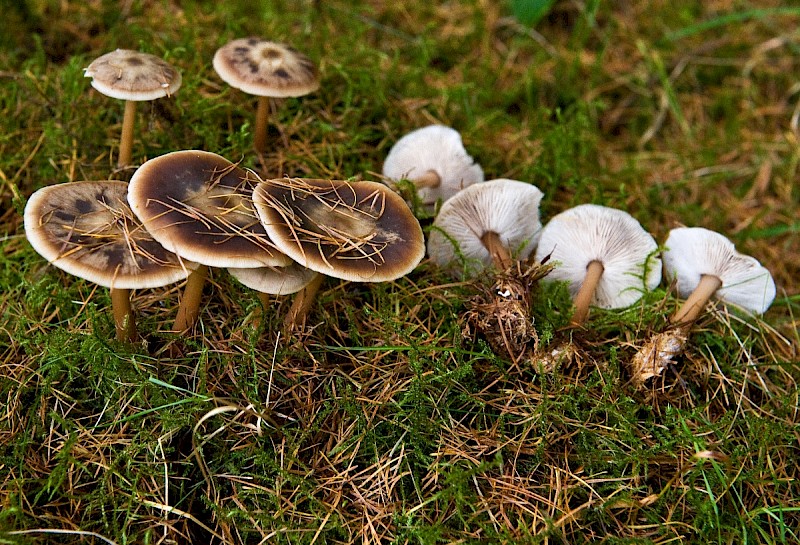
433	148
275	280
263	68
586	233
692	252
132	75
509	208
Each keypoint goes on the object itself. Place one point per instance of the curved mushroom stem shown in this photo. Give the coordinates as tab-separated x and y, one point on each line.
697	300
594	271
126	139
302	304
430	178
124	322
260	129
190	303
501	257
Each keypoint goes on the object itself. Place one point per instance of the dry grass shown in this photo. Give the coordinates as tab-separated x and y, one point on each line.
388	419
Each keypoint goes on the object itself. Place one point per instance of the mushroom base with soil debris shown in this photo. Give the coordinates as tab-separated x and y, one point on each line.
501	312
657	354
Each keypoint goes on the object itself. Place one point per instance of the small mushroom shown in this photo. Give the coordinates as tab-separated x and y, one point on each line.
132	76
604	254
484	225
359	231
433	158
265	69
703	264
88	230
199	205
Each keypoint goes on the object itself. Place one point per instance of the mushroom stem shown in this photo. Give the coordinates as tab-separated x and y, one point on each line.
258	315
260	129
126	139
190	303
302	304
124	322
697	300
501	257
594	271
429	178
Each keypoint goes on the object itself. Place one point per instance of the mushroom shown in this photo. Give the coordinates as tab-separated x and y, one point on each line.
199	205
265	69
88	230
703	264
433	158
278	281
359	231
132	76
484	225
604	254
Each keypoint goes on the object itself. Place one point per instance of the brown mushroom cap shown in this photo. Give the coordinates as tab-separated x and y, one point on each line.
359	231
87	229
133	75
199	205
265	68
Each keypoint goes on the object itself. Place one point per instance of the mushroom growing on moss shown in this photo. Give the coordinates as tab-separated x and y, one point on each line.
132	76
199	205
358	231
433	158
702	264
88	230
265	69
604	254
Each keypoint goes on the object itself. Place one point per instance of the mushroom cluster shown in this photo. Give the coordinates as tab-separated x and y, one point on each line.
186	211
605	257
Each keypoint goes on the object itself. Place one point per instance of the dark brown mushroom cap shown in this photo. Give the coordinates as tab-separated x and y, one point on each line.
199	205
87	229
265	68
133	75
359	231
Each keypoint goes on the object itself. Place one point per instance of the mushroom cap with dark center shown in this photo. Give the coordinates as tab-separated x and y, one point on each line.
433	148
359	231
199	205
133	75
87	229
275	280
576	237
509	208
692	252
263	68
